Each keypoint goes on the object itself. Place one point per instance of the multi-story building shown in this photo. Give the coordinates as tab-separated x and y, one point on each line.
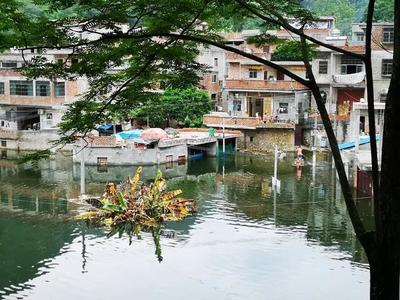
30	109
244	88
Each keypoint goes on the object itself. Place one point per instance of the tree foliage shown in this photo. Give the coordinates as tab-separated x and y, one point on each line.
161	44
185	107
291	51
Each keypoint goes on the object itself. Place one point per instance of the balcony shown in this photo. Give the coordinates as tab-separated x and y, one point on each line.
242	122
32	100
273	85
349	79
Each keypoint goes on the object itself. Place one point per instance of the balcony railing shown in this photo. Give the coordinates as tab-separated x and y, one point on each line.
349	79
286	85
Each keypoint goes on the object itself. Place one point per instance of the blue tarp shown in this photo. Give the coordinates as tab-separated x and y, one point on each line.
363	140
105	126
130	134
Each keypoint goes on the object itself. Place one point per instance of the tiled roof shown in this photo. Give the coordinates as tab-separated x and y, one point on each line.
354	48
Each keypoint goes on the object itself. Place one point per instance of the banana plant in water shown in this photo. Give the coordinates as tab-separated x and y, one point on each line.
133	208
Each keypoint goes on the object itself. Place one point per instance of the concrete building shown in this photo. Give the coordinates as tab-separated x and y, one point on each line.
245	88
106	150
30	109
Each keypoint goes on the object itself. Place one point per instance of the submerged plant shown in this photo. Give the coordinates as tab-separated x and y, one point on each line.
132	208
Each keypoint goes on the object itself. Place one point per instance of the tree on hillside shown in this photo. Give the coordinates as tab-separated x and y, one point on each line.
160	44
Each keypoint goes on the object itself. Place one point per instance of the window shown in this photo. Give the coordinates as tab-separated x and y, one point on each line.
1	88
49	116
4	143
9	64
215	62
21	87
387	66
169	160
59	89
213	97
265	75
102	161
283	108
42	88
181	159
237	105
253	73
359	37
388	35
351	65
323	67
214	78
2	123
4	154
251	139
382	97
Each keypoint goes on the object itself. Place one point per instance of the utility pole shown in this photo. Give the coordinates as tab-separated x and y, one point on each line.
82	168
223	135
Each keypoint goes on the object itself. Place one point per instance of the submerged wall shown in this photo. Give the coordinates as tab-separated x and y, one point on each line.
127	156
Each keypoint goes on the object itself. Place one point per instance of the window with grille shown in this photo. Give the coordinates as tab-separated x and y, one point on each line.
42	88
388	35
21	87
323	67
253	73
59	89
360	37
387	66
351	65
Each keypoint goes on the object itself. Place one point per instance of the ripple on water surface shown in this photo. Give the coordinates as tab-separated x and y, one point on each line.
245	242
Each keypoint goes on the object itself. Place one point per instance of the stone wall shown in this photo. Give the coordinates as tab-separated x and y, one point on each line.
265	139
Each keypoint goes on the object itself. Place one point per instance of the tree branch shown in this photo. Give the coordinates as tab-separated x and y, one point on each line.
371	109
359	228
283	23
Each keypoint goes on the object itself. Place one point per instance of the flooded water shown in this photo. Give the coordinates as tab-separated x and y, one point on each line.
245	242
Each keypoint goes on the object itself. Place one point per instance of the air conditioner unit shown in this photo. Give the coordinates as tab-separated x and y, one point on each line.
236	95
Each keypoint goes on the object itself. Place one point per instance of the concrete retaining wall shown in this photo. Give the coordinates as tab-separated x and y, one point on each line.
31	140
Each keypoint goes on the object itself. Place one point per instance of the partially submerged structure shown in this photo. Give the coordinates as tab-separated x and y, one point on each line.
154	146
